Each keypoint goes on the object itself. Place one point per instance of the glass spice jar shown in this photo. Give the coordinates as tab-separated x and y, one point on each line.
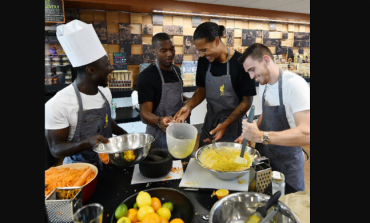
278	182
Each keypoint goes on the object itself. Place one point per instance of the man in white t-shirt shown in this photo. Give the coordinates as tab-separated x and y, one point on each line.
284	125
79	116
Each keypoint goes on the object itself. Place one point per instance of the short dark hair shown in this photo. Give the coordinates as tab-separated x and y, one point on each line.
209	31
256	51
160	37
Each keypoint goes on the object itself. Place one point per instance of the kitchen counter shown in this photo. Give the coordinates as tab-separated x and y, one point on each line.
114	186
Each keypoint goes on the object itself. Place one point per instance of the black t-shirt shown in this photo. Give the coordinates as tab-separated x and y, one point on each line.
243	85
149	84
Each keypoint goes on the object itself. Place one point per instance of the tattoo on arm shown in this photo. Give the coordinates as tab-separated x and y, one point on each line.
241	110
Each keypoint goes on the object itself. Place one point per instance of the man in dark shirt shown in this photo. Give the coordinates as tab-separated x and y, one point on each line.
223	82
160	90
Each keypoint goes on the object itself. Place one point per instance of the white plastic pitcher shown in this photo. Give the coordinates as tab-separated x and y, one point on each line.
181	139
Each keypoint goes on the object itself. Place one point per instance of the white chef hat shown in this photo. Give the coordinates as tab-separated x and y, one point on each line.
80	42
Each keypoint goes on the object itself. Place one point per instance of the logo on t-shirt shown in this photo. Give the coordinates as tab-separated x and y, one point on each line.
222	90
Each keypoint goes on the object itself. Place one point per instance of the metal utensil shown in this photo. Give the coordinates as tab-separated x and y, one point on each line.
270	215
226	175
238	159
262	211
245	141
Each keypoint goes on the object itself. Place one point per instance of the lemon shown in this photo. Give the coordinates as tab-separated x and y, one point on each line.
124	220
164	212
143	199
143	211
221	193
168	205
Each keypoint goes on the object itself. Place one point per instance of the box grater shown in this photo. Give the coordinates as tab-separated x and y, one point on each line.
259	175
61	210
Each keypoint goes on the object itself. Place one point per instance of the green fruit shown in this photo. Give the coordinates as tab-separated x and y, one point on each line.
135	206
121	211
168	205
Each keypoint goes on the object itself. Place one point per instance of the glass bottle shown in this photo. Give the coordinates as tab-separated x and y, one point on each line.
113	109
278	182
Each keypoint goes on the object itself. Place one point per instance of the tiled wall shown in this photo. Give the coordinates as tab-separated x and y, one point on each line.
113	23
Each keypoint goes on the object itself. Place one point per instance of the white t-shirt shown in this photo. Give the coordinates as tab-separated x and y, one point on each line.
61	110
296	95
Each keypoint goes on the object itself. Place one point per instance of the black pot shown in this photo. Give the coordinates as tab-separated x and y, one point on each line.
183	207
157	163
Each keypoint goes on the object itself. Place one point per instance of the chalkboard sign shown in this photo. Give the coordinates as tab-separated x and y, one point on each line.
54	11
51	40
120	61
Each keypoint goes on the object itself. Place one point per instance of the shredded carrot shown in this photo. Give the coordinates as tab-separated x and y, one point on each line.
65	177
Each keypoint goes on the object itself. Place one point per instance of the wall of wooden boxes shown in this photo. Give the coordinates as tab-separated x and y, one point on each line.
132	33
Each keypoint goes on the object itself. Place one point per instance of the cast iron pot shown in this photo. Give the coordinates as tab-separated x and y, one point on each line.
157	163
183	207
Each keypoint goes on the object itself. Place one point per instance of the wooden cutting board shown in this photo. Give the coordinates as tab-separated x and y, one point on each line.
196	176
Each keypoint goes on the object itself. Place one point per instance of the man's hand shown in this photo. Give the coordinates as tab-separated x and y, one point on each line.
93	140
251	131
163	123
239	139
219	130
182	114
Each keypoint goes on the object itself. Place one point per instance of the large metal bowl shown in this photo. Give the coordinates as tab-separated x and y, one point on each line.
227	175
237	207
125	150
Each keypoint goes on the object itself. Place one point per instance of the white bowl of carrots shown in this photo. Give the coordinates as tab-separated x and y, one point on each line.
72	175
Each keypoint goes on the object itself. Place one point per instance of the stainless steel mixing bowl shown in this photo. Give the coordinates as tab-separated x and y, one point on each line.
227	175
125	150
237	207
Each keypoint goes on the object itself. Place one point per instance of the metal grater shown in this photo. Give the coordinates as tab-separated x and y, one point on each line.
259	175
62	210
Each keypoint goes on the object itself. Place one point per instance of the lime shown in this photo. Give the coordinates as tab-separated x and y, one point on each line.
121	211
168	205
135	206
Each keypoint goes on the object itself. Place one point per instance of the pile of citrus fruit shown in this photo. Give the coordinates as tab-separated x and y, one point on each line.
147	209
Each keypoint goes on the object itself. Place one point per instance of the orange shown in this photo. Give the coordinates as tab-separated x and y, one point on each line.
222	193
177	220
156	203
163	219
132	215
151	218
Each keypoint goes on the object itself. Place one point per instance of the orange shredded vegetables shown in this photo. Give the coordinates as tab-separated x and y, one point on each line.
64	177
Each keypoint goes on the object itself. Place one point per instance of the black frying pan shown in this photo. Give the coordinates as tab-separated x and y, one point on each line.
183	207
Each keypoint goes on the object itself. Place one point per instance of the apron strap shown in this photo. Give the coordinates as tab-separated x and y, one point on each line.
281	86
80	114
160	74
308	157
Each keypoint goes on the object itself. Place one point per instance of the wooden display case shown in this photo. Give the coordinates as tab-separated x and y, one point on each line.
120	79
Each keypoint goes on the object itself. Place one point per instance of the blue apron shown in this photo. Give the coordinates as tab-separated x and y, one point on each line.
286	159
89	123
221	102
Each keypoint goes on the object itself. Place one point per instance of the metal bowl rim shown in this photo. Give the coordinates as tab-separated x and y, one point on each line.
216	171
152	140
284	206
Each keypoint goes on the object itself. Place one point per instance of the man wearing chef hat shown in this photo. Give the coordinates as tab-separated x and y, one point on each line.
284	125
79	116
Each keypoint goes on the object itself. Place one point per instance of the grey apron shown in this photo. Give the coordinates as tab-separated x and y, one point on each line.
286	159
221	102
89	123
170	103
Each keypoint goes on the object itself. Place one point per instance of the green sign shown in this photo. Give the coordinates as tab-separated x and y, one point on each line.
54	11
